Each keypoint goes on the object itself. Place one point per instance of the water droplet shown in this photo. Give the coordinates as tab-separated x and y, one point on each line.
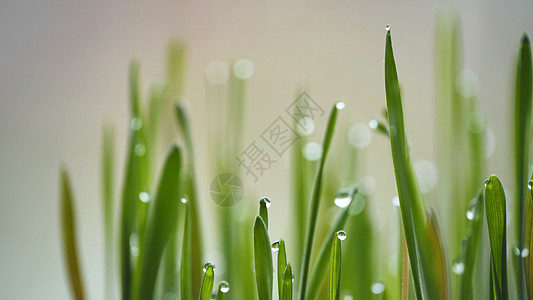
207	265
516	251
243	69
184	200
524	253
358	136
134	244
223	287
367	185
340	105
341	235
458	267
312	151
136	124
343	198
373	123
467	83
530	184
396	201
377	288
387	27
275	247
306	126
469	215
475	122
140	150
486	182
426	173
145	197
267	201
347	297
217	72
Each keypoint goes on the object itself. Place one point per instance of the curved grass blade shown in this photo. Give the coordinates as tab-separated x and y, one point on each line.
186	252
264	268
465	262
315	200
68	225
438	268
528	241
288	279
263	210
496	221
160	224
282	264
108	183
223	289
521	134
206	288
320	267
335	267
418	233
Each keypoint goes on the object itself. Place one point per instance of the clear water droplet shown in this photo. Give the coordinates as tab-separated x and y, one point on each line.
377	288
458	267
223	287
207	265
475	122
358	136
530	185
136	124
367	185
396	201
275	247
469	215
306	126
341	235
243	69
486	182
373	123
524	253
184	200
145	197
343	198
516	251
267	201
134	244
140	150
340	105
387	27
312	151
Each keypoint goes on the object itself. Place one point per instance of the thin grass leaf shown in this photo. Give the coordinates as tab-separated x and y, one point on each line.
264	268
320	268
335	267
288	279
496	221
160	225
438	268
186	272
315	200
206	288
263	210
521	134
223	289
70	248
107	171
528	241
465	262
282	264
418	233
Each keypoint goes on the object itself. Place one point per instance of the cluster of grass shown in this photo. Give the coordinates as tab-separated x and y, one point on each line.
160	243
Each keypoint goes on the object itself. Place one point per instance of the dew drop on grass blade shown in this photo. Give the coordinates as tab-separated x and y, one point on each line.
264	268
208	279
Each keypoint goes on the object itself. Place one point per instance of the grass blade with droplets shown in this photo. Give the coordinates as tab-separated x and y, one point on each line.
107	170
264	268
206	288
68	226
263	210
496	222
528	241
160	224
282	264
315	200
521	135
335	268
288	279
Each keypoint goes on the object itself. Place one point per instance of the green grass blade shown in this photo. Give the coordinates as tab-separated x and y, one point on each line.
206	288
335	267
320	268
528	241
439	266
264	268
315	200
465	263
160	225
282	264
496	221
521	134
263	210
107	171
223	289
186	252
288	279
70	248
418	231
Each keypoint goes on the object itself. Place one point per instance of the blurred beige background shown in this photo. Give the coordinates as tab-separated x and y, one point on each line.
63	71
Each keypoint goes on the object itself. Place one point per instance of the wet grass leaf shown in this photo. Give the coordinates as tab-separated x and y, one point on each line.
264	268
206	288
335	268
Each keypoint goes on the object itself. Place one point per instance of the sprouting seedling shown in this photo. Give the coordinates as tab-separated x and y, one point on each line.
335	266
264	268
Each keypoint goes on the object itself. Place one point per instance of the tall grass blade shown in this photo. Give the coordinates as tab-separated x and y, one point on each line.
522	129
282	264
160	225
335	267
208	279
263	210
288	279
496	222
186	253
70	248
108	183
264	268
464	264
528	242
315	200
